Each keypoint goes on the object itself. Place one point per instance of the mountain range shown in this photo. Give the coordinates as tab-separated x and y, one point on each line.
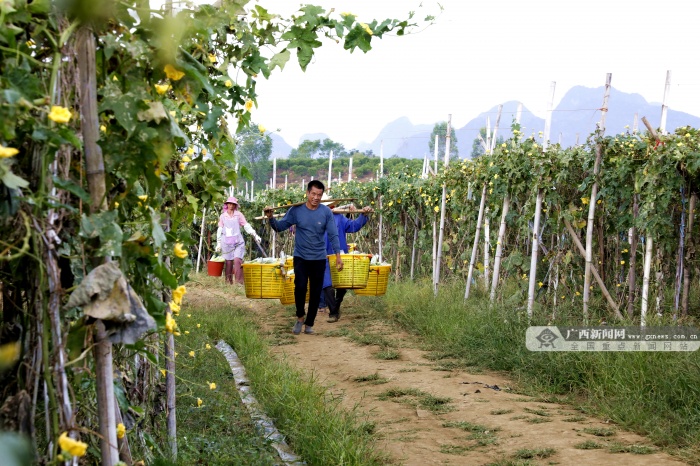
573	120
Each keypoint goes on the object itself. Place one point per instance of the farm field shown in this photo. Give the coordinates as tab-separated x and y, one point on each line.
422	407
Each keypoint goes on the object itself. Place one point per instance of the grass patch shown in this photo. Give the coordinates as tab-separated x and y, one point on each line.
651	393
418	398
599	431
588	445
574	418
388	354
634	449
455	449
374	379
498	412
408	370
537	420
316	427
534	453
470	427
539	412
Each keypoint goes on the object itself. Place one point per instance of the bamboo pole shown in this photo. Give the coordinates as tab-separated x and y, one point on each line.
632	276
102	350
475	247
689	254
594	271
533	256
201	237
413	250
495	128
330	169
645	280
499	246
664	105
435	150
487	250
592	200
680	269
350	170
285	182
443	208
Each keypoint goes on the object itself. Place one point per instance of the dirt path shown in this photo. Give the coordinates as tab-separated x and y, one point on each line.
427	412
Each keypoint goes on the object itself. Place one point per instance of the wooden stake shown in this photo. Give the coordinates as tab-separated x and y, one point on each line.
499	246
632	276
689	254
533	256
592	200
443	207
350	170
413	250
475	247
664	105
645	280
594	271
487	250
201	237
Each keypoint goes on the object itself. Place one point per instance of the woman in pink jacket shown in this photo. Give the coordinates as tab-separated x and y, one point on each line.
229	240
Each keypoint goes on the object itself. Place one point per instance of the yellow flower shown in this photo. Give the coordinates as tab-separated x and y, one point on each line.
170	324
173	73
504	145
366	28
212	58
622	262
172	113
162	371
540	284
174	307
72	446
186	159
212	385
189	315
207	346
121	430
59	114
578	294
391	203
584	200
347	13
178	293
398	201
191	353
248	105
204	152
190	150
261	128
116	204
617	285
495	177
179	251
9	353
143	197
199	325
228	83
599	202
436	209
6	152
162	88
199	402
103	128
182	166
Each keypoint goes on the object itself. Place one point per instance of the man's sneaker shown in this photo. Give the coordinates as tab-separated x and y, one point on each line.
309	330
332	318
297	327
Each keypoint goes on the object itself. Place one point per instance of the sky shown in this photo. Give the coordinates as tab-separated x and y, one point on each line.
478	54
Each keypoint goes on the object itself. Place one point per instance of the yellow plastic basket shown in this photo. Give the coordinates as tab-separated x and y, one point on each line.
263	281
377	281
355	271
288	291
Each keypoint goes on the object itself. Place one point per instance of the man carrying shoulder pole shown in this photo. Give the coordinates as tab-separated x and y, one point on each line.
312	221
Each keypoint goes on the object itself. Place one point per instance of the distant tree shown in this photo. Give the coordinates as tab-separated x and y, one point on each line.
318	149
253	150
440	129
477	148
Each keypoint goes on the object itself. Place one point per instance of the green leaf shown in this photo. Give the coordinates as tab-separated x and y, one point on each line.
72	188
280	59
156	112
13	181
156	230
165	276
103	225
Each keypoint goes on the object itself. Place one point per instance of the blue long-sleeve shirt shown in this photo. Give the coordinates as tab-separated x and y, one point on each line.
311	226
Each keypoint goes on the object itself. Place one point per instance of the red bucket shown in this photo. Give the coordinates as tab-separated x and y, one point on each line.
215	269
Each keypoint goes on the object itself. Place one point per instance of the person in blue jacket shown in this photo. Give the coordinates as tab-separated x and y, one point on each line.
313	222
333	297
